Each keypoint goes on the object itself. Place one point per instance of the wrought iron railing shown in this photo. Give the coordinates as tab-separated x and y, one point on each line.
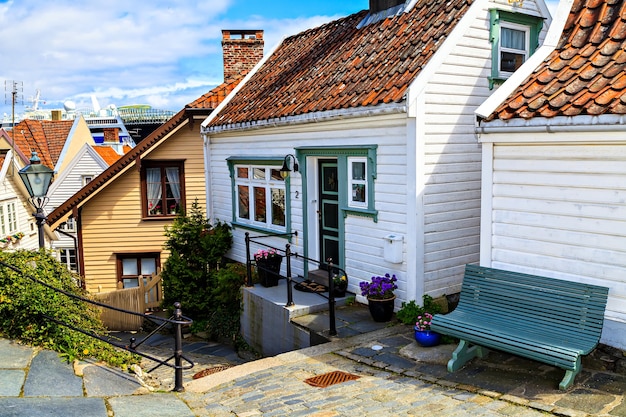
329	266
177	321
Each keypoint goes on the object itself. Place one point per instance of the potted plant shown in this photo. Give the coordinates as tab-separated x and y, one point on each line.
340	284
380	296
268	266
423	335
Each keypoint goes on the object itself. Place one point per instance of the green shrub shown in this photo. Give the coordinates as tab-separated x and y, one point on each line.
409	312
23	304
189	275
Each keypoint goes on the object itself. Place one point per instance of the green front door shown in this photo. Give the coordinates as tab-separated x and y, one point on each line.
328	213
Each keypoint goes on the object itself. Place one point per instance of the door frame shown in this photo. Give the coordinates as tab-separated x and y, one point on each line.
311	205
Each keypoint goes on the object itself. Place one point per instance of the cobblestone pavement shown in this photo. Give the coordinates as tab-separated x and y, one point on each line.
282	391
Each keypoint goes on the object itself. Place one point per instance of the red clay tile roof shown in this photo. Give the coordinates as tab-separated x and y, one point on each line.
337	66
584	75
213	98
107	153
46	137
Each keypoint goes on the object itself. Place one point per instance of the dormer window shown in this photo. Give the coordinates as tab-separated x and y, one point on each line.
514	38
382	9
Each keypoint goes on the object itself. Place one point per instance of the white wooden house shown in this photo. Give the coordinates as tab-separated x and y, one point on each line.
378	110
17	224
554	159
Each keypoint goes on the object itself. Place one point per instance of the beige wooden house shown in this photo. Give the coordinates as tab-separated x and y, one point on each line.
121	214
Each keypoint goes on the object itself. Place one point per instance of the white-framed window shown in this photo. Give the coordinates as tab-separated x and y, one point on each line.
131	266
86	179
68	258
357	182
69	225
514	38
8	218
513	47
260	196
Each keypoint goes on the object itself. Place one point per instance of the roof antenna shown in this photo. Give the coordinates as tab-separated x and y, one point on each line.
16	89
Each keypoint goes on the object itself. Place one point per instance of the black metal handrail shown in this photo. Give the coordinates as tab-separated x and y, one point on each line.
288	255
177	320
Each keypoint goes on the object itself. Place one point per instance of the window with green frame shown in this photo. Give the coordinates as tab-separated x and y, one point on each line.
356	174
259	193
514	38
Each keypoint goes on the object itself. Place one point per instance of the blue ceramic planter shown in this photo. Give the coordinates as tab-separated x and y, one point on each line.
427	338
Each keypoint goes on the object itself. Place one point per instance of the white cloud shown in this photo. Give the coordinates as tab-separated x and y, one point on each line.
165	53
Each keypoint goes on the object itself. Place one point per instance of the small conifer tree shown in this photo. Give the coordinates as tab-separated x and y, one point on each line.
190	273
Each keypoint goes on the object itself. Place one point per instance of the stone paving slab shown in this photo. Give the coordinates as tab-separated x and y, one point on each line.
50	376
153	405
102	381
14	356
53	407
11	381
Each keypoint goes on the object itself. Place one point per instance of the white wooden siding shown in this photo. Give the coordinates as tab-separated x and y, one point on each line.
560	211
363	237
452	155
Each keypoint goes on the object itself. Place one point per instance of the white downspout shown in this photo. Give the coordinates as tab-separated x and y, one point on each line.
206	148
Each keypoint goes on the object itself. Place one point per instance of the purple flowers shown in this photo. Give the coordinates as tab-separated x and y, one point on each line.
379	288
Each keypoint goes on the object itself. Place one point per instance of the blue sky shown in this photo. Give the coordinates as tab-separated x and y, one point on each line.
164	53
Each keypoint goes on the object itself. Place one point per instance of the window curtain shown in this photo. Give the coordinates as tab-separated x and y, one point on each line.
153	177
174	182
514	39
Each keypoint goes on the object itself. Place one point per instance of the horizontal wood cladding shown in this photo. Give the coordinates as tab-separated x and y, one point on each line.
561	210
112	220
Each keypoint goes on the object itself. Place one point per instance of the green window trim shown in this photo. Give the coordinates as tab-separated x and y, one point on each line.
343	153
535	24
268	161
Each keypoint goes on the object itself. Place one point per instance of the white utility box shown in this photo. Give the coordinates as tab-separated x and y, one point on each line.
393	248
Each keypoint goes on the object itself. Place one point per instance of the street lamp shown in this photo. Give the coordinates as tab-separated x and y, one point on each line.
37	178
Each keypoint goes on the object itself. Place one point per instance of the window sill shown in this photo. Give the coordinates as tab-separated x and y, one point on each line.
161	217
360	212
237	225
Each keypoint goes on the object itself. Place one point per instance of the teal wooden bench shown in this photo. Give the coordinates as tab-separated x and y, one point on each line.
544	319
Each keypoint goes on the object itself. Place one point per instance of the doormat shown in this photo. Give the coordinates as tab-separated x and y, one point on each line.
310	286
331	378
210	371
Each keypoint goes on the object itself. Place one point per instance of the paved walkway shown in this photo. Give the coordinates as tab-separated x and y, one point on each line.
395	377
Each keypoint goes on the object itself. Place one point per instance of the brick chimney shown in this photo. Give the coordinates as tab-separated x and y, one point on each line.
111	135
380	5
243	49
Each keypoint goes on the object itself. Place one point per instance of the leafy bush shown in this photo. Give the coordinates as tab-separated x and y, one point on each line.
409	312
23	304
189	275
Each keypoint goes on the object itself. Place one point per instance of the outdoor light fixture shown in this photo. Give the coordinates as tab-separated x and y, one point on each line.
519	3
284	171
37	179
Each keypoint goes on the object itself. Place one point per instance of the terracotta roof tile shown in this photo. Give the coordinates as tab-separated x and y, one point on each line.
46	137
585	73
334	66
107	153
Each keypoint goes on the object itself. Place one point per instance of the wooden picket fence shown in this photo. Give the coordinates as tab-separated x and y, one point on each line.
147	296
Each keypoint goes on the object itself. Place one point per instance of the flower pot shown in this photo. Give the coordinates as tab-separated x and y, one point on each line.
427	338
269	270
381	310
340	292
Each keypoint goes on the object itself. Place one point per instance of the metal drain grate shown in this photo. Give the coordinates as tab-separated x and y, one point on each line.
210	371
331	378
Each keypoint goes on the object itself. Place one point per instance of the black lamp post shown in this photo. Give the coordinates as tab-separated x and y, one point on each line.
37	178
